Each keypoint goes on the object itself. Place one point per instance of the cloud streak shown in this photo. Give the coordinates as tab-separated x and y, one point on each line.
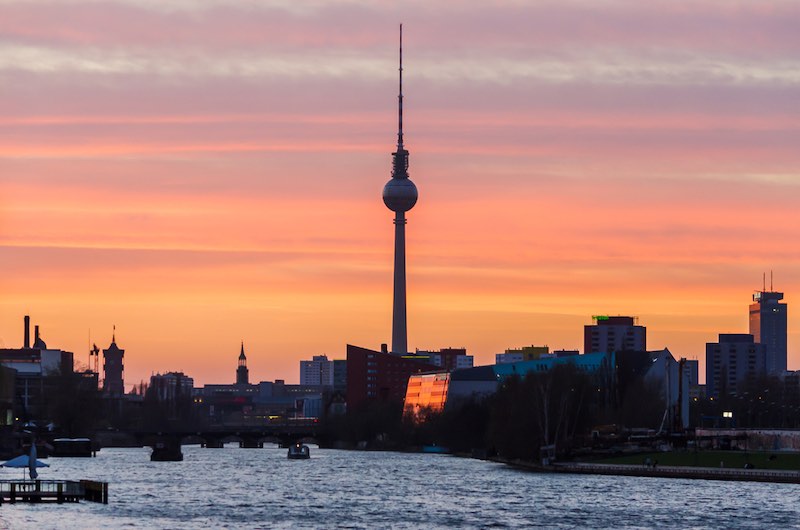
614	67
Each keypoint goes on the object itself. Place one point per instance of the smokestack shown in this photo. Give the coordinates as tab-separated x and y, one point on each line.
27	343
36	334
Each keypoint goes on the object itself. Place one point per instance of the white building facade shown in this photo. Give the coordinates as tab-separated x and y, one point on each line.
317	372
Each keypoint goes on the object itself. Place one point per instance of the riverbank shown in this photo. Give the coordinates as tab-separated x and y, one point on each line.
772	460
685	472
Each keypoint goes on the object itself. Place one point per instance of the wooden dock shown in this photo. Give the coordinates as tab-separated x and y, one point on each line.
58	491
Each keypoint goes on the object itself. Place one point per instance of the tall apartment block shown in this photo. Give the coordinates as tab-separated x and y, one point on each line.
319	371
732	360
612	334
768	327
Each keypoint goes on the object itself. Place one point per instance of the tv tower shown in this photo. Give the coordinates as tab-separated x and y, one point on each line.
400	195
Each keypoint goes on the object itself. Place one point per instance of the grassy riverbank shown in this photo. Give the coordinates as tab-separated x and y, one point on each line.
730	459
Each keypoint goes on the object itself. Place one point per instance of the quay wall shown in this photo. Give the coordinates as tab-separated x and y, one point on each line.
703	473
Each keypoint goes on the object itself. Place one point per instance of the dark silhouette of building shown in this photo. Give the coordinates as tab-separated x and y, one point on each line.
610	334
171	386
735	358
242	373
768	327
7	386
340	375
31	365
113	369
380	376
400	195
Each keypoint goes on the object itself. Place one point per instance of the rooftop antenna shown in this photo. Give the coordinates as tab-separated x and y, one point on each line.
764	281
770	281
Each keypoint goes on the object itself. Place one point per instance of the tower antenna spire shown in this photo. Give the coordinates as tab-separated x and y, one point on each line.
400	98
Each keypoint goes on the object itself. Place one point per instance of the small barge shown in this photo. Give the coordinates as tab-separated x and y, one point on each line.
299	451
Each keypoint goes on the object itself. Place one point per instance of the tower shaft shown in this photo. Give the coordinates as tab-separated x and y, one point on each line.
399	325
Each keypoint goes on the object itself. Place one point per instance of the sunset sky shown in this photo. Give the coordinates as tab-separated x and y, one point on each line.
202	172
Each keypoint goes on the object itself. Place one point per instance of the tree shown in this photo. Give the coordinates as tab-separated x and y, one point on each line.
552	407
72	401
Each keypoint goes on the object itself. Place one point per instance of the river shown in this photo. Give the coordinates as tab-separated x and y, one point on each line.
261	488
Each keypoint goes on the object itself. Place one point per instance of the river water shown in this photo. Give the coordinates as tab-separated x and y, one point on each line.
261	488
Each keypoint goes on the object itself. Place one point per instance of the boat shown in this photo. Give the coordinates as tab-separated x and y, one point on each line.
72	447
298	451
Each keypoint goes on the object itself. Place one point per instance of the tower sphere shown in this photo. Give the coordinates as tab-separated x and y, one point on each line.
400	194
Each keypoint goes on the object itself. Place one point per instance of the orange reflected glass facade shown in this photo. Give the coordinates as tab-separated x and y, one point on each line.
426	392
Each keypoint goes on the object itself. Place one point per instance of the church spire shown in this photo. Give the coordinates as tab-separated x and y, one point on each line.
242	373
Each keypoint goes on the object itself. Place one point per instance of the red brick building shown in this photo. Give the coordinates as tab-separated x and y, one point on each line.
380	376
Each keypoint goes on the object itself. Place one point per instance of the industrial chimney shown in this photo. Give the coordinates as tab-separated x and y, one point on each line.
27	343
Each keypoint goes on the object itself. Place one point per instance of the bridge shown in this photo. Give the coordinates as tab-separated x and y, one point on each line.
167	444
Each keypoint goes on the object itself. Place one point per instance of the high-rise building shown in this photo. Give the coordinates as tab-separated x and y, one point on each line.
732	360
113	369
400	195
317	372
242	373
610	334
768	327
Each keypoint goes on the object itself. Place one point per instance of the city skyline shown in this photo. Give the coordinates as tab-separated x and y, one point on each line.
207	173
